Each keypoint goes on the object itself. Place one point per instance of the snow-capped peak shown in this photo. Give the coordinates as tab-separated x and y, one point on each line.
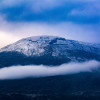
39	45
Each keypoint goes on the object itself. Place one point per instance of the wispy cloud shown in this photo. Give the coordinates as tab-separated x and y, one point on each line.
18	72
12	32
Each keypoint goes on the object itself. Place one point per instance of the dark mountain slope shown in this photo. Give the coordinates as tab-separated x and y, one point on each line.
82	86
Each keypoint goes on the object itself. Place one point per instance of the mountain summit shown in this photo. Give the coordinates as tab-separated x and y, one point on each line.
47	50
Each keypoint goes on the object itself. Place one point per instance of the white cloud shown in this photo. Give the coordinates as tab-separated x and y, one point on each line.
12	31
18	72
6	39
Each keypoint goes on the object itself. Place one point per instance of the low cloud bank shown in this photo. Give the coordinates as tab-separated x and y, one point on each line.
18	72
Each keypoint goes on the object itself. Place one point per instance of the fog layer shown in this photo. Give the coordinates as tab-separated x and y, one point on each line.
18	72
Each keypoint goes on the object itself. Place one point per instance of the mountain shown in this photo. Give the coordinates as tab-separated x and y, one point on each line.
47	50
50	50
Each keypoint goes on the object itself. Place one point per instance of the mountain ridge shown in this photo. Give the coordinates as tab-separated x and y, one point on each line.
48	50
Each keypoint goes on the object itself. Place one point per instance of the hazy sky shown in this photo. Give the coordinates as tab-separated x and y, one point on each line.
72	19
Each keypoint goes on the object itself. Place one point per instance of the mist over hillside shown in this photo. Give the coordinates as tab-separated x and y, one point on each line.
20	72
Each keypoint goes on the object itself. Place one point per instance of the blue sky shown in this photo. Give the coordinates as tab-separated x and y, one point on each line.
77	11
73	19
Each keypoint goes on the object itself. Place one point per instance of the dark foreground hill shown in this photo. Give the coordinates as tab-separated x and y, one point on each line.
82	86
